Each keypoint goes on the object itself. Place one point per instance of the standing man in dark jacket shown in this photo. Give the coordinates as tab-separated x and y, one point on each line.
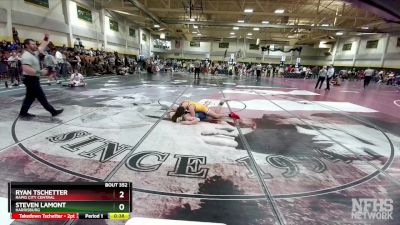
321	77
31	74
197	66
329	74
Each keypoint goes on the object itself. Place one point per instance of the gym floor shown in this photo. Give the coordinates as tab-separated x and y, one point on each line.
298	156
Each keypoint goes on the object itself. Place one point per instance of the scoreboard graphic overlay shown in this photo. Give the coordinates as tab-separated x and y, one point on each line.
69	201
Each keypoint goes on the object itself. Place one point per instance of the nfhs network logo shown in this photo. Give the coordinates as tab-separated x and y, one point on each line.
372	209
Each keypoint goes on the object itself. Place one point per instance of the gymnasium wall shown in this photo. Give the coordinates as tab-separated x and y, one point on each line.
61	19
385	54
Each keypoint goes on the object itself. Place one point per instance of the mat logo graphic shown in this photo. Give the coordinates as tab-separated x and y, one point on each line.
372	209
91	146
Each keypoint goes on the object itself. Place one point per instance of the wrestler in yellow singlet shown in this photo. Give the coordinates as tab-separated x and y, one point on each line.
198	107
184	108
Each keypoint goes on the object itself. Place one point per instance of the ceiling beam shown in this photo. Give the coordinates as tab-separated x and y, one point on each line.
229	24
260	5
241	13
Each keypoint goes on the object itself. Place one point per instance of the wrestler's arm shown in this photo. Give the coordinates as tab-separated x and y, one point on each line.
192	110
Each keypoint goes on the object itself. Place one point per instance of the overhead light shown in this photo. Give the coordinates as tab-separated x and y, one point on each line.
249	34
192	19
232	33
156	25
279	11
162	36
312	25
236	28
324	25
248	10
198	34
369	33
339	33
291	36
365	28
195	26
265	22
240	21
194	32
122	12
256	28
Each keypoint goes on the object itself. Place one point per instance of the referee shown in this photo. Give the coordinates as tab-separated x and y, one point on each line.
31	73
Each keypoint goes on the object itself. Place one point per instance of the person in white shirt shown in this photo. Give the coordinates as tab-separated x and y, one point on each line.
76	80
369	73
321	77
380	76
258	71
60	62
13	61
270	71
329	75
391	78
197	66
59	57
50	63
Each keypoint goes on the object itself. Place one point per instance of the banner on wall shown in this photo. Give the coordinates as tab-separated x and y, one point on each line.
195	44
132	32
114	25
42	3
84	14
223	45
281	49
372	44
347	47
161	44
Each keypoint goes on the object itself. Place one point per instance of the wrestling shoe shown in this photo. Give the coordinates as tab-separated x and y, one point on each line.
234	116
57	112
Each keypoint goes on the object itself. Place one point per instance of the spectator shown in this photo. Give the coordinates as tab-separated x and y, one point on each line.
197	66
329	75
14	62
3	66
391	78
50	63
368	74
60	61
321	77
15	36
76	79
